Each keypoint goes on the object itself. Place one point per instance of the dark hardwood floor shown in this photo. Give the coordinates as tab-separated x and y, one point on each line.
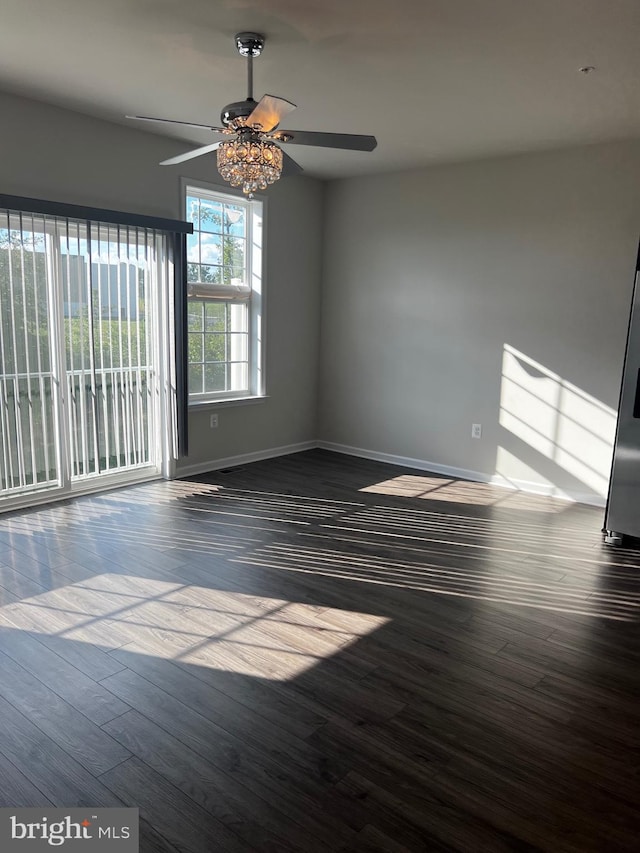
321	653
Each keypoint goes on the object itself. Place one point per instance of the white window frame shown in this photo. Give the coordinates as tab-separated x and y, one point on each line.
252	293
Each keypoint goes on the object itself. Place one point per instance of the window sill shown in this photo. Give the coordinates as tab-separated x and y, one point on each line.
207	405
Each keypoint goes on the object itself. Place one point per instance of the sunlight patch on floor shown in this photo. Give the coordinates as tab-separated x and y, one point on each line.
229	631
464	492
527	584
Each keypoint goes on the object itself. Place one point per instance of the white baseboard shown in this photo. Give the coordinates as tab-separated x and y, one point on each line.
547	489
243	459
405	461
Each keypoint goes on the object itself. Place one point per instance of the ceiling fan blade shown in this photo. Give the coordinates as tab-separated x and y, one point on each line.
269	112
289	166
348	141
173	121
189	155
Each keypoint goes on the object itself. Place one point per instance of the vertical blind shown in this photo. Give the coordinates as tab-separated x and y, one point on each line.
75	339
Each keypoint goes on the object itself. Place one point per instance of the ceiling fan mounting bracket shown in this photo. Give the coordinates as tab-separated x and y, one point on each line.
249	44
239	109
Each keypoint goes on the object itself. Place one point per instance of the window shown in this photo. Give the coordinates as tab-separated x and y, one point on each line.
224	286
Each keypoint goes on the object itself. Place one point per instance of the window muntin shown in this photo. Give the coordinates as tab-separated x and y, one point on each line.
224	279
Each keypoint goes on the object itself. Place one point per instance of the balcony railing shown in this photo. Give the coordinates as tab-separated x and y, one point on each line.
107	425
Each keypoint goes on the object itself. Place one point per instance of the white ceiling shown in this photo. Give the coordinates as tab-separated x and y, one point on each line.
433	80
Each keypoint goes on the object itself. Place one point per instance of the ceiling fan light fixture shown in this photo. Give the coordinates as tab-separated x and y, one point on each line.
250	163
251	159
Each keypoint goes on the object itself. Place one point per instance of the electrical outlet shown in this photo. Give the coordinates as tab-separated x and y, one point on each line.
213	421
476	430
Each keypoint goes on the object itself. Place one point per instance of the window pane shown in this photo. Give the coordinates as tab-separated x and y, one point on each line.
234	259
216	316
215	348
195	348
238	317
193	250
215	377
193	210
210	274
210	216
234	220
239	377
210	248
193	272
238	347
195	379
194	315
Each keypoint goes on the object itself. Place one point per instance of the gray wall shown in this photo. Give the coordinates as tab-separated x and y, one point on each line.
428	274
57	154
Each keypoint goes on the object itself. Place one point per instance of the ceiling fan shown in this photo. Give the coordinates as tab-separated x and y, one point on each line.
250	156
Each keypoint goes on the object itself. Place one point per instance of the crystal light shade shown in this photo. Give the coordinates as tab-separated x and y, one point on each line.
249	162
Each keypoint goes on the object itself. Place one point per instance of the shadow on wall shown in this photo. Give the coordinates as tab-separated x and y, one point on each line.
556	435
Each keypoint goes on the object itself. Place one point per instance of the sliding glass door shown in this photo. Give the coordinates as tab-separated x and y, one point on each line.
105	282
80	365
28	371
